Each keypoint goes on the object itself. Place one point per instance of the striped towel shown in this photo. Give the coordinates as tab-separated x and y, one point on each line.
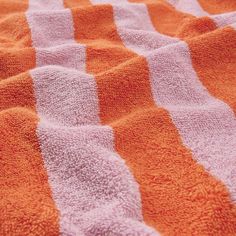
117	117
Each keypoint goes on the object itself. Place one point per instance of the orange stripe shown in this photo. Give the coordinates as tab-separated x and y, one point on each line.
17	91
218	6
106	54
195	27
165	18
76	3
9	7
174	188
105	49
24	59
26	200
178	195
218	77
124	90
16	53
214	60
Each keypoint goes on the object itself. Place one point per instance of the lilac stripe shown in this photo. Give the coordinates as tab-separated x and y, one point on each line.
136	30
38	5
206	124
65	96
66	55
51	28
135	27
133	16
195	9
192	8
53	39
91	185
225	19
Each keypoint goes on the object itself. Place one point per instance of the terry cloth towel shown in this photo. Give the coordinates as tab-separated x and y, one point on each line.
118	117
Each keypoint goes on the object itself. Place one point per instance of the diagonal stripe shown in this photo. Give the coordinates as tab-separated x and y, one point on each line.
97	62
184	102
176	191
91	185
206	124
216	120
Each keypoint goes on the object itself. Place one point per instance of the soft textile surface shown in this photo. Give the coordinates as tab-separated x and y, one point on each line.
117	117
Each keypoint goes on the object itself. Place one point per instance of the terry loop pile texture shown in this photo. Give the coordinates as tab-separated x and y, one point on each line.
117	117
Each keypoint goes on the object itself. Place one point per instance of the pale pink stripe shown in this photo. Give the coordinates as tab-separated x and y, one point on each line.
135	27
91	185
51	28
233	25
70	55
225	19
130	15
65	96
133	16
136	30
206	124
193	7
38	5
53	39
